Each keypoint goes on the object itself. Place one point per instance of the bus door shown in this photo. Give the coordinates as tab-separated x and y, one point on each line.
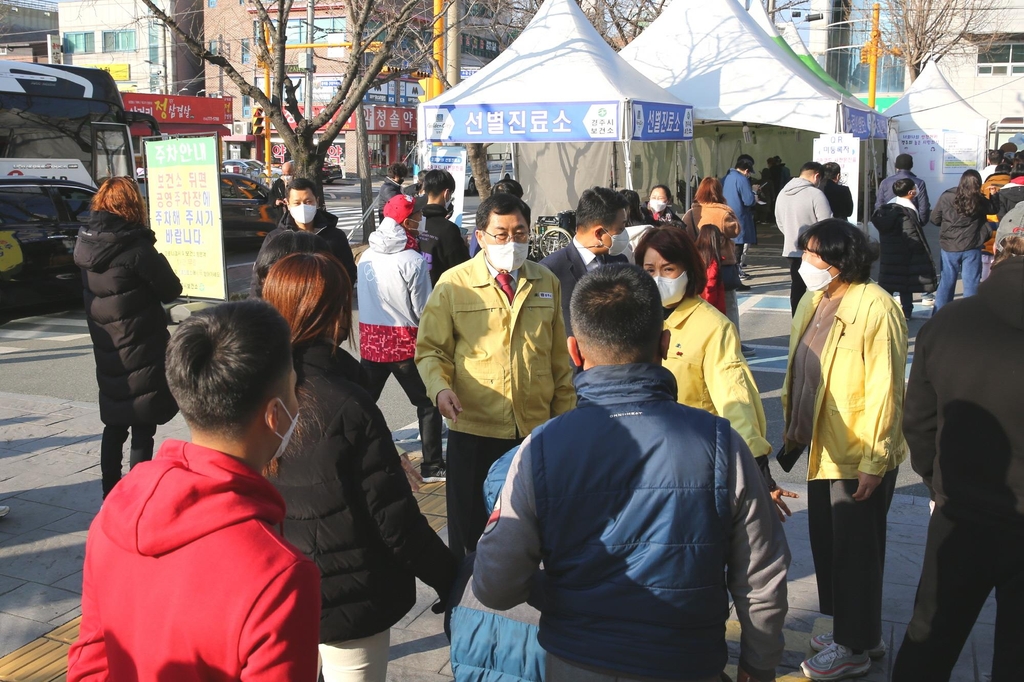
112	152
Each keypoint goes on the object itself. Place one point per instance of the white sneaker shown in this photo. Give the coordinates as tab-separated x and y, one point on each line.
4	511
836	662
824	641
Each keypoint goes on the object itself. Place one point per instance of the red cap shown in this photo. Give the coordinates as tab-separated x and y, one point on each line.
400	207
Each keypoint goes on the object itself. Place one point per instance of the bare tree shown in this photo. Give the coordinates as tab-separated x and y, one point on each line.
923	30
383	34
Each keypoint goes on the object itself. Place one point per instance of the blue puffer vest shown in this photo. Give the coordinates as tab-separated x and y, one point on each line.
635	527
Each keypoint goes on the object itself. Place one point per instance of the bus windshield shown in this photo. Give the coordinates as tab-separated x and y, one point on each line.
54	118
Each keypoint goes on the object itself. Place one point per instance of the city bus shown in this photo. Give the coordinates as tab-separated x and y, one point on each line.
64	122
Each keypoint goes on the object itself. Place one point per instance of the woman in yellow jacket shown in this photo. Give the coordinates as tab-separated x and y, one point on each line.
843	397
704	353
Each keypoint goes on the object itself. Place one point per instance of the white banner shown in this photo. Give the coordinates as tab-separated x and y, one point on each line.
844	150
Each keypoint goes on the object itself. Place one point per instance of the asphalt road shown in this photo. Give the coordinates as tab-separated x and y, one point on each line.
48	352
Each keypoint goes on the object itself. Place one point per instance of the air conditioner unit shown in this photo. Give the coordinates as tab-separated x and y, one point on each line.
239	128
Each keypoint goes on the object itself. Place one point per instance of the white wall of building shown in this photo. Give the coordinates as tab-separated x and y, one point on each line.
124	35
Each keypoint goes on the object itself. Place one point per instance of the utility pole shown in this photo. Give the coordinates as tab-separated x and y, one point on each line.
435	88
876	47
453	46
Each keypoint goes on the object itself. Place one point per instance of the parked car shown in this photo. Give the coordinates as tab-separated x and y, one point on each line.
39	222
247	213
330	172
248	167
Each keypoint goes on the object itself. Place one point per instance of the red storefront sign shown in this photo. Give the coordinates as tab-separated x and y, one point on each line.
181	108
379	119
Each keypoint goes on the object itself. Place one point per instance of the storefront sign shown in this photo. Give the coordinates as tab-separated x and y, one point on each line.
119	72
382	94
184	212
381	119
523	122
410	93
844	150
180	108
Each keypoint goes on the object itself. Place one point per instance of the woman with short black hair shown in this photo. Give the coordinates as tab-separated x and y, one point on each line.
843	398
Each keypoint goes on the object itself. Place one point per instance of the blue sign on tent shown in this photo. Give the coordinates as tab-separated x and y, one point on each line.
658	121
570	122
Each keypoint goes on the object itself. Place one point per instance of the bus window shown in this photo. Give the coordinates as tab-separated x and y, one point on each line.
112	152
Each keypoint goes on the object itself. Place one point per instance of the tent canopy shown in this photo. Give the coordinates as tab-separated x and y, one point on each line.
732	70
558	82
943	133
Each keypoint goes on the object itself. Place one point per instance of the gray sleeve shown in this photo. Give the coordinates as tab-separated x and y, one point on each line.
508	553
758	561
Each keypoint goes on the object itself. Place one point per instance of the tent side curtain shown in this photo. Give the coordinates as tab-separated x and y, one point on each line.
555	122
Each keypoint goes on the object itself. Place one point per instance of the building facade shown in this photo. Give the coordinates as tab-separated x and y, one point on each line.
122	37
25	27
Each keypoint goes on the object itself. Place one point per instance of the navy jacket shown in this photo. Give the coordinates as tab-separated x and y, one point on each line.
665	581
568	266
885	195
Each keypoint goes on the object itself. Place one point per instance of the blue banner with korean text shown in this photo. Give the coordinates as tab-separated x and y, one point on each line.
575	122
657	121
865	125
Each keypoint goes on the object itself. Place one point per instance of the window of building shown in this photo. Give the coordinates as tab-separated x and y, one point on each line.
212	4
323	27
80	43
119	41
246	51
480	47
1001	60
214	47
246	107
154	44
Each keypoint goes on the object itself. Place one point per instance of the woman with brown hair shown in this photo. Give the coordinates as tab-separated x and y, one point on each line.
125	281
349	504
709	208
704	352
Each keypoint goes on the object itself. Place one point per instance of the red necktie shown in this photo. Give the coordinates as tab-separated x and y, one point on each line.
505	282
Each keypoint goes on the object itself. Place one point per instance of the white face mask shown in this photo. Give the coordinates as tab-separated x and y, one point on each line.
657	205
287	434
303	213
620	244
507	257
815	278
672	290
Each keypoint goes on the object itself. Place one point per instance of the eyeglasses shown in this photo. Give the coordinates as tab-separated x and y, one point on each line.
519	236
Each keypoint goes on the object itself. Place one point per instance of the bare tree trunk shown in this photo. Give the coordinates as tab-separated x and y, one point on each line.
363	169
477	154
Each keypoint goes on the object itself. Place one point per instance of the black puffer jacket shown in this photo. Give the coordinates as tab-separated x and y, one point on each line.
325	225
125	281
905	264
958	232
350	508
1009	196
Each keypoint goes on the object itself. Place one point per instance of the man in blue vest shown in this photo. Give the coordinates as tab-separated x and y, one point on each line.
646	514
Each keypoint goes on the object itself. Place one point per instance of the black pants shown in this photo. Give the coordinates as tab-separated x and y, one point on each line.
963	562
906	300
469	459
848	548
797	288
411	382
112	451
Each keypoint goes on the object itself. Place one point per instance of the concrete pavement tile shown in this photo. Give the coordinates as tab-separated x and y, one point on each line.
26	515
76	522
905	534
65	618
447	669
16	632
425	598
803	594
419	651
60	462
39	602
401	673
903	564
79	492
5	536
42	556
24	480
88	446
427	622
897	602
60	439
909	513
73	583
7	584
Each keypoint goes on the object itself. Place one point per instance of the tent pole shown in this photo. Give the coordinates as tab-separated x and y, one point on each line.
614	168
688	173
628	163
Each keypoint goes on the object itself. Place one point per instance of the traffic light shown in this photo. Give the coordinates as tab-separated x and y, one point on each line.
258	127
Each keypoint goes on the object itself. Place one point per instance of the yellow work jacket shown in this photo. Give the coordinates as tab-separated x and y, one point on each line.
508	365
858	407
705	358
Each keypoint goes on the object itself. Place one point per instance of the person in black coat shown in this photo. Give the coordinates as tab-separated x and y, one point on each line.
391	187
125	281
349	503
1012	193
840	199
962	216
905	264
962	422
600	238
303	214
441	242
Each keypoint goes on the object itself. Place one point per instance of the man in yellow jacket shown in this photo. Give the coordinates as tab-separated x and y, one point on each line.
492	353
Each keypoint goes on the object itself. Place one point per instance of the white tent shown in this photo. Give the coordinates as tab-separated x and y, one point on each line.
558	83
943	133
732	70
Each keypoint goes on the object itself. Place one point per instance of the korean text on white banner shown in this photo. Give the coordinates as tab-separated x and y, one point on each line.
184	211
960	151
925	147
845	150
453	160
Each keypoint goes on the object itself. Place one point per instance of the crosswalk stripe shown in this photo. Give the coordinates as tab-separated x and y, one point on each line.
56	320
23	334
10	349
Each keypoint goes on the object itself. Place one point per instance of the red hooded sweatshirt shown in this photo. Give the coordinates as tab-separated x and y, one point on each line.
188	578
